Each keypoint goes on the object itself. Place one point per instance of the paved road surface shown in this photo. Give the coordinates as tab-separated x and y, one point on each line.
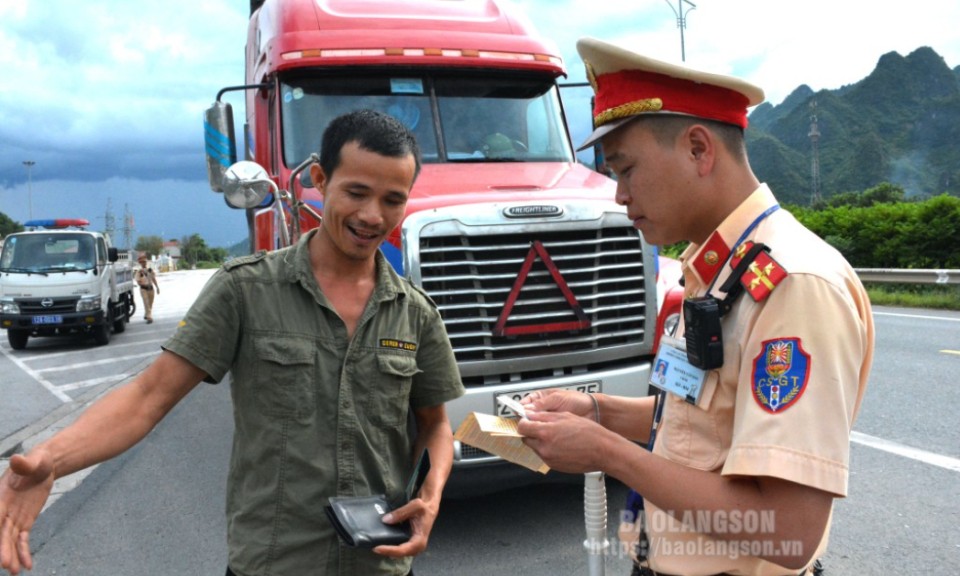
159	508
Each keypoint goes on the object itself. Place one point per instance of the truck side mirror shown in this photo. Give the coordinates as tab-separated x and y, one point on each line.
246	185
220	141
113	254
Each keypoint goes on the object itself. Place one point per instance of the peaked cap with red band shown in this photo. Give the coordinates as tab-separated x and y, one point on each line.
628	85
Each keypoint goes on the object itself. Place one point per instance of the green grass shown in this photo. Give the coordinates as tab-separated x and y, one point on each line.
928	296
208	265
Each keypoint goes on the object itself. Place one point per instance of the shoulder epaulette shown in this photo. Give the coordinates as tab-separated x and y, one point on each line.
423	292
762	274
245	260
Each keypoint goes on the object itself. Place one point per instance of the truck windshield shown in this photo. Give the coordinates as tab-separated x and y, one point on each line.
456	118
54	252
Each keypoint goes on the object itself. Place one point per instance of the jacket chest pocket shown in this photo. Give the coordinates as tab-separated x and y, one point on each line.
390	400
286	375
696	435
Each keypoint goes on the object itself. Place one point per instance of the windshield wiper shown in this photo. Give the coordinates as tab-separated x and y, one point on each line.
23	271
65	269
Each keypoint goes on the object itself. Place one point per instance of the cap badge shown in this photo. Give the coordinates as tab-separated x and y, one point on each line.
591	76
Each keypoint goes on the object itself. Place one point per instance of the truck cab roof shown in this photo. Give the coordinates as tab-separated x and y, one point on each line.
462	33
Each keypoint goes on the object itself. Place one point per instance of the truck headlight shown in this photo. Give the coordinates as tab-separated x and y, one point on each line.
88	304
9	307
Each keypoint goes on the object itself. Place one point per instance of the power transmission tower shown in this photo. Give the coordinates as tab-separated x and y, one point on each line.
109	222
127	227
814	136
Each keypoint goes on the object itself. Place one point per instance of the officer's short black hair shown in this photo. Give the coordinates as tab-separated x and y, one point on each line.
373	131
666	127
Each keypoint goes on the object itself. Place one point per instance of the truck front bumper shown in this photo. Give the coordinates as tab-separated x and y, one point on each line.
53	324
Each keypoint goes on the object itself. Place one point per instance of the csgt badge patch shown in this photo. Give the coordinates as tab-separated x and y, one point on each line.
780	374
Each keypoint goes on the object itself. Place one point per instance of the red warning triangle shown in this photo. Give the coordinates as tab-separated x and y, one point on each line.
501	328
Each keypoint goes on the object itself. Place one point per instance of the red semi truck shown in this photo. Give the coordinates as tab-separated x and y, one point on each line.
540	277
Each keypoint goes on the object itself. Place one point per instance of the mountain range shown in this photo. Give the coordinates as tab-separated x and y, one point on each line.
900	124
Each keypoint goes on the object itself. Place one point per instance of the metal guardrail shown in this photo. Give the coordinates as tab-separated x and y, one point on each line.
908	276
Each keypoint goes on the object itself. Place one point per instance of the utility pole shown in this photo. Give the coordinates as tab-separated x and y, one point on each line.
682	21
29	164
814	136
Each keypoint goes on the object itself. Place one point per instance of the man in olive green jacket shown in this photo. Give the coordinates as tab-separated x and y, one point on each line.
329	352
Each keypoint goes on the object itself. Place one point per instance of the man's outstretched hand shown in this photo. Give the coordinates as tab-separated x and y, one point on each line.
24	489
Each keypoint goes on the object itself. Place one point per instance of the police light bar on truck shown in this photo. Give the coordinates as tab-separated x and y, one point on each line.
57	223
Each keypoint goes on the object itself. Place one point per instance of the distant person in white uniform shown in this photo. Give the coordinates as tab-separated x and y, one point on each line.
146	278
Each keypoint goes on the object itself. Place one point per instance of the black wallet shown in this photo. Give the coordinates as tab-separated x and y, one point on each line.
358	519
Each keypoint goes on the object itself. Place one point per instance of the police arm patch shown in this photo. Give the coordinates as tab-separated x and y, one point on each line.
780	374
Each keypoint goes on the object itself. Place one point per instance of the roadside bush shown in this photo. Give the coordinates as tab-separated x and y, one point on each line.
922	234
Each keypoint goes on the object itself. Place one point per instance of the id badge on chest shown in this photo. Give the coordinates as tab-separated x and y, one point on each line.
675	374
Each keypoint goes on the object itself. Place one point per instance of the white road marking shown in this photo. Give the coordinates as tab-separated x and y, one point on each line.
112	346
94	382
922	316
179	291
906	451
36	376
112	360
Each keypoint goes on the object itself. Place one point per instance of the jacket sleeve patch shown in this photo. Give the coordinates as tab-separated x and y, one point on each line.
780	374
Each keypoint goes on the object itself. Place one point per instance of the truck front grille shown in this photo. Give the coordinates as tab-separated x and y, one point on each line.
472	277
55	305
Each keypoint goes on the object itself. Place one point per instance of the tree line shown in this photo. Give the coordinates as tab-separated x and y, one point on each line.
194	251
881	228
8	225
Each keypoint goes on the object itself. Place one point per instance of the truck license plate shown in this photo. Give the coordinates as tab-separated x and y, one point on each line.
47	319
501	410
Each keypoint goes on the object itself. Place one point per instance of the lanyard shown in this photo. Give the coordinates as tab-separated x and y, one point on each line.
662	395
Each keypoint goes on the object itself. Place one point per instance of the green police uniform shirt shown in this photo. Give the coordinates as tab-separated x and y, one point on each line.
316	415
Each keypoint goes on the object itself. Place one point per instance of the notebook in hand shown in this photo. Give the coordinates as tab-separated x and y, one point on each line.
358	520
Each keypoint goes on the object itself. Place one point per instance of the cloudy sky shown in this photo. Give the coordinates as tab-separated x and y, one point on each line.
107	96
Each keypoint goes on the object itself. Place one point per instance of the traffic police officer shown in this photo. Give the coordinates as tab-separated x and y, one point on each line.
751	434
